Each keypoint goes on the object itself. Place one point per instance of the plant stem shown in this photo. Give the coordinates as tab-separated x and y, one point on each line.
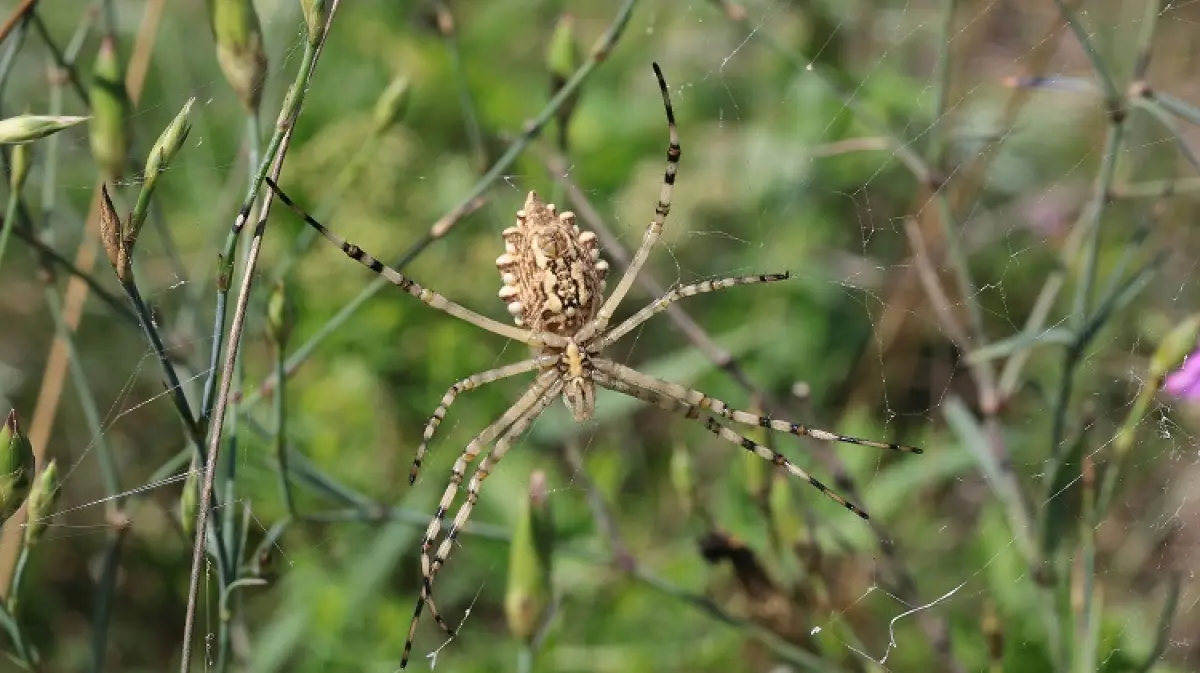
293	105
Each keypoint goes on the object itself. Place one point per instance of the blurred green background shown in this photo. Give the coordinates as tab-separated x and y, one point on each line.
805	128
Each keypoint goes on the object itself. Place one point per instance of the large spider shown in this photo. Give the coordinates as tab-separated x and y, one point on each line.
553	283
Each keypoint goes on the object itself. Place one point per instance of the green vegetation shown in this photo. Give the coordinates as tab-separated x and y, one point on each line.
984	208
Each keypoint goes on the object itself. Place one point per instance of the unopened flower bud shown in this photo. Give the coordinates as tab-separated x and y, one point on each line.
530	589
1175	346
681	476
170	141
41	502
240	51
188	501
392	104
280	314
16	467
110	112
28	128
316	13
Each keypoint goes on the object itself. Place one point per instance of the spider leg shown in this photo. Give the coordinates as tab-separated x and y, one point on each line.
470	383
662	303
698	399
653	232
548	380
407	284
693	412
485	468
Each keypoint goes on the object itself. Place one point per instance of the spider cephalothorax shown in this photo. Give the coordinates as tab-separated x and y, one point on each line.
554	287
552	272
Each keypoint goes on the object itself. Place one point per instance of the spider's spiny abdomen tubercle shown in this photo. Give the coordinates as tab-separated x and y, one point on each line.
552	272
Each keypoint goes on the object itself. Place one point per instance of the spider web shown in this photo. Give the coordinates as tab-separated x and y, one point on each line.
779	172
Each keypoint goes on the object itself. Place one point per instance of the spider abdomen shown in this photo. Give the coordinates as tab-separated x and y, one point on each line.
552	272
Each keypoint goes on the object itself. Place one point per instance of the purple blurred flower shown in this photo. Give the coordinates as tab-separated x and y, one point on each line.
1184	382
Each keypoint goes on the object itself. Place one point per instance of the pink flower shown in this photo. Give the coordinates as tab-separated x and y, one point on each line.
1184	382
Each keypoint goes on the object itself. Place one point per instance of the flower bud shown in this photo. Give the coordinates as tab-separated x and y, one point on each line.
28	128
681	476
169	143
316	13
189	501
281	314
16	467
110	112
1175	346
392	104
530	589
240	52
784	520
41	502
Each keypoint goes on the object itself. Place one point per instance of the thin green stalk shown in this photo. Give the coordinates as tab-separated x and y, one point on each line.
24	649
10	221
941	89
599	54
1107	84
105	589
281	453
465	102
1166	618
226	260
1086	627
1108	165
525	658
292	106
65	59
182	407
16	41
18	576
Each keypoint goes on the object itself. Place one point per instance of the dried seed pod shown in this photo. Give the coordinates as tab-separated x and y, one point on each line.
112	238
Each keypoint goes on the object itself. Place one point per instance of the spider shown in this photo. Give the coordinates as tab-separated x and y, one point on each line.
553	284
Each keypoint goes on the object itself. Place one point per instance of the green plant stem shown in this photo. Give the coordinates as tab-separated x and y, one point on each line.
16	40
1108	86
1166	618
293	104
599	54
525	658
105	589
281	453
10	221
24	649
